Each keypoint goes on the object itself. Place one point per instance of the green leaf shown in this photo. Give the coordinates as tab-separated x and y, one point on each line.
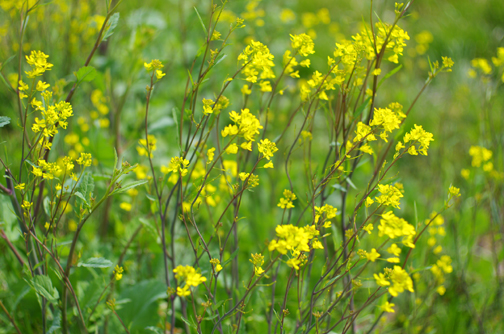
7	84
151	198
191	324
47	206
154	329
201	21
339	187
219	303
116	159
43	285
86	73
6	61
56	324
361	108
96	262
78	194
128	187
331	281
4	120
389	74
235	253
114	19
420	269
85	192
141	311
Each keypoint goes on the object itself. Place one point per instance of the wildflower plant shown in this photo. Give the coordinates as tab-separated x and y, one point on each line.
258	193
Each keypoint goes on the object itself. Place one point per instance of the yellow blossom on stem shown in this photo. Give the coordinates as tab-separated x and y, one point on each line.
118	272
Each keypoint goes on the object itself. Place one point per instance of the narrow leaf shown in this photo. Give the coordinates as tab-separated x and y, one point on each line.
96	262
389	74
201	21
128	187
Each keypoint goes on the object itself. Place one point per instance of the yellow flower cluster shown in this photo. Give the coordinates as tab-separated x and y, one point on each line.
156	66
481	155
99	102
177	165
246	125
329	211
54	116
85	159
286	201
257	260
143	150
303	43
295	240
209	106
191	278
267	148
289	62
38	63
396	279
394	227
390	196
216	265
118	272
418	136
387	120
257	61
46	170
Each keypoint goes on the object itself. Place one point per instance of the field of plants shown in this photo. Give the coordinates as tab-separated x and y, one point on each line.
224	166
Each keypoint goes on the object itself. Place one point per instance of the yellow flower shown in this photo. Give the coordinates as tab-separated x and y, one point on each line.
143	150
393	249
454	192
286	203
125	206
85	159
159	74
20	186
420	136
447	62
400	281
368	228
178	165
373	255
393	226
268	165
41	86
118	272
257	60
155	64
183	292
267	148
246	90
216	264
390	195
38	62
210	155
232	149
303	43
387	307
381	280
